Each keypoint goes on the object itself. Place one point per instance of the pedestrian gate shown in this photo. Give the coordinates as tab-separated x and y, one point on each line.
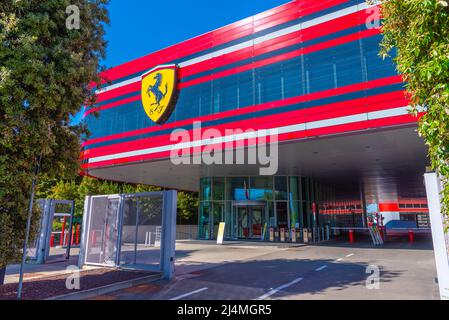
53	213
134	231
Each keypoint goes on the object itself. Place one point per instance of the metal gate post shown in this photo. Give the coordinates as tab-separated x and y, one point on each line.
42	243
49	228
168	233
72	216
120	217
84	233
136	237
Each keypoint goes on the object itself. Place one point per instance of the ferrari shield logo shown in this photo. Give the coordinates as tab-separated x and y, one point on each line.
160	92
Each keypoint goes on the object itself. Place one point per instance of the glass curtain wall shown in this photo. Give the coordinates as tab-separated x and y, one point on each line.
274	201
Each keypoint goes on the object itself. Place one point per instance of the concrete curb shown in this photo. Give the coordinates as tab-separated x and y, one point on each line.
94	292
245	244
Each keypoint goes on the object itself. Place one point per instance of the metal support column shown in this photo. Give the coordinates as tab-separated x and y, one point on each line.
84	233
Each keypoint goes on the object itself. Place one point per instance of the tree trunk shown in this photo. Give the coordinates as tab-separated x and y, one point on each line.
2	276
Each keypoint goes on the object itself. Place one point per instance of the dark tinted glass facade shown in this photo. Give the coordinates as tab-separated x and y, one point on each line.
336	67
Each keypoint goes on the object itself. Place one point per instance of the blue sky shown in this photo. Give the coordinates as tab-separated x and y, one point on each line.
140	27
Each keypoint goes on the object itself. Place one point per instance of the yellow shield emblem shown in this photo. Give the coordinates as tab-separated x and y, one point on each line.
160	92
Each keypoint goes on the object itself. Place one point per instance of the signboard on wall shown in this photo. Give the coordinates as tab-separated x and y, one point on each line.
440	237
220	236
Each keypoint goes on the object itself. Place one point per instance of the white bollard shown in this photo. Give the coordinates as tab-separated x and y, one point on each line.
148	239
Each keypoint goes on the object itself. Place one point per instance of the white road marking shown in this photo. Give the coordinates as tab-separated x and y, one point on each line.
189	294
321	268
349	255
339	259
274	291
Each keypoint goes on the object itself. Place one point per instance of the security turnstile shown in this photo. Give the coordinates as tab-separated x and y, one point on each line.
52	209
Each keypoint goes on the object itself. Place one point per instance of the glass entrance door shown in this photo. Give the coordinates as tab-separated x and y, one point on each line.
256	223
250	222
242	223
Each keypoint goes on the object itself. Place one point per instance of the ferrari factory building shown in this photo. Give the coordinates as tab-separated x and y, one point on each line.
303	79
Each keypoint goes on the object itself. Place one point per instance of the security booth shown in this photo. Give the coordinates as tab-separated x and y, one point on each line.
57	234
130	231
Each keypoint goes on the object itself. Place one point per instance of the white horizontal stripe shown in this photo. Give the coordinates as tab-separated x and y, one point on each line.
258	133
218	53
292	128
118	85
388	113
336	121
330	16
246	44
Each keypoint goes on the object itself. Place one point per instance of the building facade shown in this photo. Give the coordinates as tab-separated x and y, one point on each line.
308	69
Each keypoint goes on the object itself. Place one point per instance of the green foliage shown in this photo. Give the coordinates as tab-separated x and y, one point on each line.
45	70
187	207
77	189
419	30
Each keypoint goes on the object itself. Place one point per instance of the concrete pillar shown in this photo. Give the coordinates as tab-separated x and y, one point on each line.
169	234
439	236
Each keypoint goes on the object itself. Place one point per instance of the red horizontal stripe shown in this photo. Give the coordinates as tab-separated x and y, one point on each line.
334	110
307	34
336	25
270	18
111	94
113	104
275	104
289	55
340	129
414	210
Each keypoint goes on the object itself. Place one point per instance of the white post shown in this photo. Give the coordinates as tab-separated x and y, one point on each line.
148	239
84	233
168	239
439	236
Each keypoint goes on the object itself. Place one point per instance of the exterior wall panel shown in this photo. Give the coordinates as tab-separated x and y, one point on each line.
310	65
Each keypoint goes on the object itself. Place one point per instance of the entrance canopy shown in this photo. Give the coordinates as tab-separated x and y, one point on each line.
389	163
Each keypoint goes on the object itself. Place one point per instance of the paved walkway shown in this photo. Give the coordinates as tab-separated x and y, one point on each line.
57	265
335	270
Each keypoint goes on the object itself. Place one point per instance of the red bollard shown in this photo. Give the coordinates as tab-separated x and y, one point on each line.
72	242
52	240
351	236
411	236
61	241
77	234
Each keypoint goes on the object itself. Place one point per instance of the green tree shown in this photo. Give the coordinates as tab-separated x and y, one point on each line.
46	66
419	32
77	189
187	207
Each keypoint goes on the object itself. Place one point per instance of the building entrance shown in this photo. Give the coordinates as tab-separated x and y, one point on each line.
250	220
